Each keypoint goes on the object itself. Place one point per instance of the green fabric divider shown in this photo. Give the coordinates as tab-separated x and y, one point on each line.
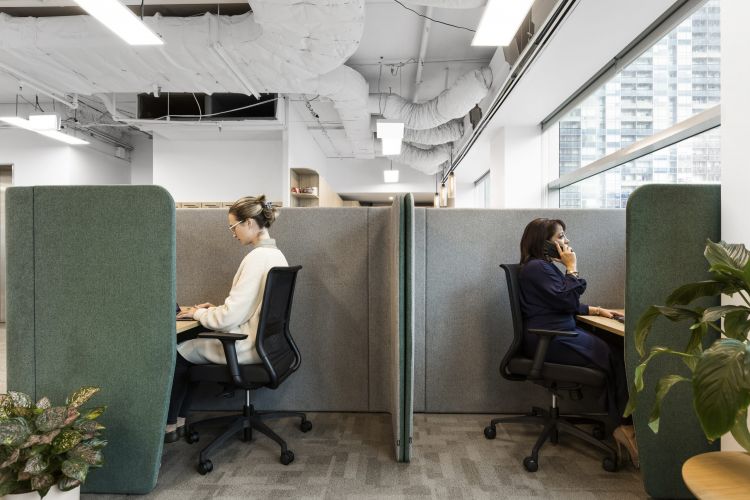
409	316
104	278
667	228
20	284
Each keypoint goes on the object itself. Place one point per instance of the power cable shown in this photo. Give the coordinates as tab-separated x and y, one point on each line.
200	111
434	20
217	113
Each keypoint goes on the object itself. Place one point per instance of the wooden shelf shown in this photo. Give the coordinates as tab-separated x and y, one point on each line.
305	195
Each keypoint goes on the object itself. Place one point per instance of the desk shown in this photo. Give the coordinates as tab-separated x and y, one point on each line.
610	325
718	475
183	326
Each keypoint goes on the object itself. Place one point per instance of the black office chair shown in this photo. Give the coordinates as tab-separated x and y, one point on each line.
555	377
280	358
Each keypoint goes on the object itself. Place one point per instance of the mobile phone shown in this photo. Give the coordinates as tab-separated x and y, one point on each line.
550	249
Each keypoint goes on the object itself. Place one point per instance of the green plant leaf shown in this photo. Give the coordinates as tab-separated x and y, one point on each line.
632	402
737	325
96	443
42	483
43	403
81	396
655	351
87	454
740	431
75	469
87	426
645	322
729	254
8	483
719	386
67	483
662	389
51	419
712	314
11	458
14	431
95	413
66	440
37	439
36	465
20	399
685	294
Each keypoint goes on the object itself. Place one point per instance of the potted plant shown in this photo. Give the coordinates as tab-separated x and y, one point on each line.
48	449
720	374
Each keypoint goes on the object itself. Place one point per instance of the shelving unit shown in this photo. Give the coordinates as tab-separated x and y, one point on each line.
302	178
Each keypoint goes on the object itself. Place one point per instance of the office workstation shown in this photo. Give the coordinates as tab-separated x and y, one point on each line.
397	349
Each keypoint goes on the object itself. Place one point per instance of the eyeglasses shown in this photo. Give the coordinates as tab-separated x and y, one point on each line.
231	228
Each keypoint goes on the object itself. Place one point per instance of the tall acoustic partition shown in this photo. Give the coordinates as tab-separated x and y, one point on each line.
667	228
91	280
407	275
462	319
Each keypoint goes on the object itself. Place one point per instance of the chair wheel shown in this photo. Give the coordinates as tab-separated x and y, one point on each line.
530	464
609	465
192	437
305	426
287	457
490	432
205	467
598	432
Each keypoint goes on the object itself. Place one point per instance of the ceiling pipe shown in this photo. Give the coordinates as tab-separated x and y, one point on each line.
422	51
27	81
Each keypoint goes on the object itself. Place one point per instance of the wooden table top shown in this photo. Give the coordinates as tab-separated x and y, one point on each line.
718	475
183	325
607	324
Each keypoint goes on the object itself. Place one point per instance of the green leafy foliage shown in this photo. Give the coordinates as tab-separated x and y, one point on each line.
721	373
42	445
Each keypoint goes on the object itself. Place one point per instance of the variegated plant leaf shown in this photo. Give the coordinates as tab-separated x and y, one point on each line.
67	483
73	414
42	483
87	454
81	396
11	459
95	413
51	419
37	439
66	440
14	431
44	403
76	469
36	465
20	399
96	443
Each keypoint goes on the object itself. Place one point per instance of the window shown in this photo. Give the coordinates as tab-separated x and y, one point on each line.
482	191
675	79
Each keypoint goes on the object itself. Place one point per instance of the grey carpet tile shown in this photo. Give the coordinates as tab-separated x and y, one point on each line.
350	455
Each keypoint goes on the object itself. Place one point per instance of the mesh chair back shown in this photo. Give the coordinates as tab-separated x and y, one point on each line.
274	342
511	276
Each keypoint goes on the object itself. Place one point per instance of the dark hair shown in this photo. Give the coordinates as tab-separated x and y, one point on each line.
256	208
534	236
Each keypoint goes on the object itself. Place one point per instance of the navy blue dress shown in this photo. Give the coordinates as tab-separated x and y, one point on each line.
550	300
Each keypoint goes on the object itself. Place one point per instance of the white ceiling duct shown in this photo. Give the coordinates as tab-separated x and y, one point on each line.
449	4
447	132
284	46
427	161
452	103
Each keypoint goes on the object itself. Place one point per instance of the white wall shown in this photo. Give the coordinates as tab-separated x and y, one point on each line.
38	160
366	176
304	152
516	168
735	129
142	160
216	170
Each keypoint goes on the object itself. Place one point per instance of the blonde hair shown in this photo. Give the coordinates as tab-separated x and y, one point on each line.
256	208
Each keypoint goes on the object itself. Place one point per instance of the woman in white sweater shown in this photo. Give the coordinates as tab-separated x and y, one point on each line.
249	219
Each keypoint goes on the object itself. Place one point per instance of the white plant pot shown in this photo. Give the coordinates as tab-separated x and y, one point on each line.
54	493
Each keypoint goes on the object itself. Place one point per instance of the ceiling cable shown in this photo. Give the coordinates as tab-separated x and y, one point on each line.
434	20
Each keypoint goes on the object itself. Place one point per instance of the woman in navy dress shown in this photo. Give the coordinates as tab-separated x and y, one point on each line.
550	299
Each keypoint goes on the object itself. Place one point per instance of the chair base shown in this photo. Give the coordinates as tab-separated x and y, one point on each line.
248	421
553	424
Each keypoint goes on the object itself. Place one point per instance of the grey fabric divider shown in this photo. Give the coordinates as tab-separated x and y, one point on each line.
20	360
396	317
468	327
407	275
103	309
667	227
341	305
418	380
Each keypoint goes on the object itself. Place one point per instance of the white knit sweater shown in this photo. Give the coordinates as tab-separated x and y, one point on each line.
240	312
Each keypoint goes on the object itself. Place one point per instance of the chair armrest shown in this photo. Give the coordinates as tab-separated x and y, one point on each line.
545	337
230	352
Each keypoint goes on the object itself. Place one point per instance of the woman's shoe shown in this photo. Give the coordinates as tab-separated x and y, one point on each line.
173	434
627	440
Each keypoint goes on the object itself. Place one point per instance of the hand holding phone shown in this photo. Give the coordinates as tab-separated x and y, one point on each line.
550	249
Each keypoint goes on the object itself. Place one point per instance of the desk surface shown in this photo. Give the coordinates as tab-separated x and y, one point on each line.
183	326
610	325
718	475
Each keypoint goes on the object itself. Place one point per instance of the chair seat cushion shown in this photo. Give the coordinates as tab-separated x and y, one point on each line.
560	373
254	375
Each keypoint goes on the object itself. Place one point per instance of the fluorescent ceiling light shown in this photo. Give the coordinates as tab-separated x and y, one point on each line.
121	20
390	176
47	122
52	134
390	129
500	22
391	147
